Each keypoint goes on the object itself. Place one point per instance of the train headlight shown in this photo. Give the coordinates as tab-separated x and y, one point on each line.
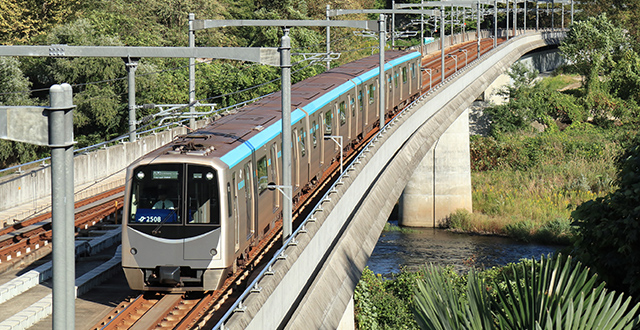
133	251
209	176
213	252
140	175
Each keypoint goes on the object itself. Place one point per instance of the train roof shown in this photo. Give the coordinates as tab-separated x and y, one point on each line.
233	137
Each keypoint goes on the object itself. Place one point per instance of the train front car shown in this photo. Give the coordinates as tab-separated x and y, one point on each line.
172	230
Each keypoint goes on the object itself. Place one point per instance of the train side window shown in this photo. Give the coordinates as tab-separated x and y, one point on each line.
404	75
389	80
263	178
413	70
327	122
353	108
360	100
274	173
395	79
343	116
371	93
314	134
303	148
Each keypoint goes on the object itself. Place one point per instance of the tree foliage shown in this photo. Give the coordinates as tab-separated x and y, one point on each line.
593	47
21	20
13	85
609	228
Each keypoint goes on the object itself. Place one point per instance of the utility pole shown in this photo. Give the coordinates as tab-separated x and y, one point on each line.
131	65
192	75
382	37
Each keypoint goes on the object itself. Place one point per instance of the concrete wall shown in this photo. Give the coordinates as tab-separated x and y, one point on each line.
30	190
427	201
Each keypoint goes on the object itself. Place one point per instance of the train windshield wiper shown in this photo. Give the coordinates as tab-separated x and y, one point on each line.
156	231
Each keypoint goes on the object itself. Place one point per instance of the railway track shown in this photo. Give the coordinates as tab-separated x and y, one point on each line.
194	310
31	235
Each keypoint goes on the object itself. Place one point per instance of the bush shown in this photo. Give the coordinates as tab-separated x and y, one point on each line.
608	228
384	304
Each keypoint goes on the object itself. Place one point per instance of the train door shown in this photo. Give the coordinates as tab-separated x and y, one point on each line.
342	116
236	212
303	165
360	114
415	78
264	195
295	168
275	177
404	92
375	95
389	91
321	134
328	131
353	120
248	195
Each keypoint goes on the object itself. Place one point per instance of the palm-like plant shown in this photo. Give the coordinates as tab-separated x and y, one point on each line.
440	304
553	294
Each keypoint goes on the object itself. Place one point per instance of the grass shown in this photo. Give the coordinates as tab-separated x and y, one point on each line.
526	184
534	204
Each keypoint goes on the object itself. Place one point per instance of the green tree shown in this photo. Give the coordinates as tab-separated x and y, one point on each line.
593	47
14	90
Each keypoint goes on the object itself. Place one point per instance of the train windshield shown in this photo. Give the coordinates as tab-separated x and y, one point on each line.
174	194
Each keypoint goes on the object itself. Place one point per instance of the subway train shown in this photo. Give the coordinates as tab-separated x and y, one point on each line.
195	207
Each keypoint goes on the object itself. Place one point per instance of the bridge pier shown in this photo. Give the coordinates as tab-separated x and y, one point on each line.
441	183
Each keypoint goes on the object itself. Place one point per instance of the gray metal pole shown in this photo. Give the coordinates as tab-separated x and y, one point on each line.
478	28
495	23
285	65
562	9
525	16
381	27
70	207
507	20
571	11
553	7
132	65
464	23
393	25
442	45
422	29
515	18
328	40
537	16
192	75
63	307
451	37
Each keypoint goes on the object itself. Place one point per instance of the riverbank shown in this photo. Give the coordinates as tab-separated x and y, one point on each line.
536	163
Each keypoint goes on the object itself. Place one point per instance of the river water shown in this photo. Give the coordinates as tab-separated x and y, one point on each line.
426	245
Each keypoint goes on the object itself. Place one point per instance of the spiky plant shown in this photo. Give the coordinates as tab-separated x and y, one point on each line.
440	304
560	294
553	294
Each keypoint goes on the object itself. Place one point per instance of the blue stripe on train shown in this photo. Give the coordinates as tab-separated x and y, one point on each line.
233	157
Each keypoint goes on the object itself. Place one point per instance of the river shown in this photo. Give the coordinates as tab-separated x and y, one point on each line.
414	249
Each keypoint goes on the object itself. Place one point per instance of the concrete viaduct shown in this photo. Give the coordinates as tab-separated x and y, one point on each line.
311	284
421	158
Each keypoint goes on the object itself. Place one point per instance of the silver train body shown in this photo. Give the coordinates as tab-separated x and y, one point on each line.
195	207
